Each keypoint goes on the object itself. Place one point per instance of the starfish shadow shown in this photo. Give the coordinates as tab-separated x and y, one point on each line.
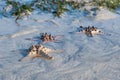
23	52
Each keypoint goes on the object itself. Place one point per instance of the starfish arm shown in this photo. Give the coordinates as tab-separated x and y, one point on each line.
25	58
58	37
46	56
30	57
56	51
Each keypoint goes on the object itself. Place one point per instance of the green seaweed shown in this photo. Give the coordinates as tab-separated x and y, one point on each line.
58	7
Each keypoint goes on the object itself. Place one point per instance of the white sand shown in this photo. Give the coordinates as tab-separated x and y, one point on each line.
84	58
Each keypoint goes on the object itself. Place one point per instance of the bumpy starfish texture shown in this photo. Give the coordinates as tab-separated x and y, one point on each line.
39	51
47	37
90	31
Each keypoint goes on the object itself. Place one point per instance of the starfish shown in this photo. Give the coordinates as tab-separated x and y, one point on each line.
90	31
45	37
39	51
